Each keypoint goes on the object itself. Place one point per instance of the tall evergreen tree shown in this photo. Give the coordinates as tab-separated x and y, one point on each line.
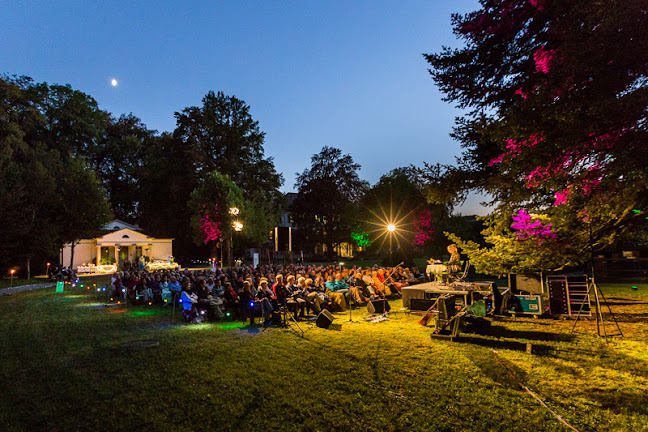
556	95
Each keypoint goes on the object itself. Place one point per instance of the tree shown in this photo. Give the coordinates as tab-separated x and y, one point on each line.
220	135
210	205
398	198
523	243
81	205
325	191
47	194
74	124
119	161
556	96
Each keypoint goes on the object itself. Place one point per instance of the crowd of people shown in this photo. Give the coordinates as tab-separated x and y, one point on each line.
246	292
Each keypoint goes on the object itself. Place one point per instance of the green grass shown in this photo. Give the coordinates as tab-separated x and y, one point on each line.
63	366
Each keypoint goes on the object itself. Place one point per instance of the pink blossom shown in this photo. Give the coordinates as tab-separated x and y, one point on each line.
537	4
210	229
562	197
528	229
423	223
542	59
521	93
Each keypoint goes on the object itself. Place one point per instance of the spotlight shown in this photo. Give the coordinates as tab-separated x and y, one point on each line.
251	304
227	314
180	301
150	303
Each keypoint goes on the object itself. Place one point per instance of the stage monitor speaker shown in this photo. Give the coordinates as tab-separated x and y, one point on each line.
378	306
527	282
283	239
421	305
324	319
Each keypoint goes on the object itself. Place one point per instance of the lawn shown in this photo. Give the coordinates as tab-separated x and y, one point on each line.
66	364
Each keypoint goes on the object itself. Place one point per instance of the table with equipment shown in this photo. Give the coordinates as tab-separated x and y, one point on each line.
433	290
433	271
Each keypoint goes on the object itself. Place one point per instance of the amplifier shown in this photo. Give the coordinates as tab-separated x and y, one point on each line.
421	305
378	306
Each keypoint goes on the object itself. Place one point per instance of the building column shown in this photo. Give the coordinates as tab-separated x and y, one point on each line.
98	255
116	257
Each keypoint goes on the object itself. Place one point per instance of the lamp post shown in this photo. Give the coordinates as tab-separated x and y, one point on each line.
238	226
47	272
391	228
220	246
12	271
234	211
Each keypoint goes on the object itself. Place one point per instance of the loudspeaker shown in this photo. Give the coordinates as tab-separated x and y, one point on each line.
421	305
378	306
324	319
527	282
283	239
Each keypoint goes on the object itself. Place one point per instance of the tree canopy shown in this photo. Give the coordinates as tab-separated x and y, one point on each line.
556	97
326	191
48	193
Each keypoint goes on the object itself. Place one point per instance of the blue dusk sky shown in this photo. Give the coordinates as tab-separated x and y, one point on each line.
347	74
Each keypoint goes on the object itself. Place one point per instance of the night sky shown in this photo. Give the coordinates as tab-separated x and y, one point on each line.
347	74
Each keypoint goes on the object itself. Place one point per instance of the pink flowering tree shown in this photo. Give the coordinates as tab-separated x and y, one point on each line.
423	226
555	119
209	204
520	243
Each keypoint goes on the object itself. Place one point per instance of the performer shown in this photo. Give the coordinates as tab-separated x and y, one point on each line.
454	265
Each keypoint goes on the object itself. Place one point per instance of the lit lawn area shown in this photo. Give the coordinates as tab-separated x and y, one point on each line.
64	366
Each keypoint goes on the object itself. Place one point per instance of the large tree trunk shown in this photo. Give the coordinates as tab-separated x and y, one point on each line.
28	269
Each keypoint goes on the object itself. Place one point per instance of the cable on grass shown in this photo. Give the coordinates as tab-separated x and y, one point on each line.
525	388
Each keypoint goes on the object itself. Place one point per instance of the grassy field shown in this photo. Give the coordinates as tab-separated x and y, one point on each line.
66	363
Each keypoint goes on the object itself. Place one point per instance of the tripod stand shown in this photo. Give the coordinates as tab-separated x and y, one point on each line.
600	323
591	284
284	323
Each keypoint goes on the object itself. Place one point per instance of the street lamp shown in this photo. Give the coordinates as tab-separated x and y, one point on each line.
391	228
238	226
47	272
12	271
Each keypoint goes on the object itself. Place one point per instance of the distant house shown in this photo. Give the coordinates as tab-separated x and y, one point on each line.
121	242
343	250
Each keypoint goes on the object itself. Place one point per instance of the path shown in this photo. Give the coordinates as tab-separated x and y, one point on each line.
12	290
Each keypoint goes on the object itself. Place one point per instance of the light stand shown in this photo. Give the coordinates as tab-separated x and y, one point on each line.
284	323
591	284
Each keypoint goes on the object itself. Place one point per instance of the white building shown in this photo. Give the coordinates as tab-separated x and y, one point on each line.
121	242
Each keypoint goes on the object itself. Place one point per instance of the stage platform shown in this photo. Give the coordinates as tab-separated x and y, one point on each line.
430	290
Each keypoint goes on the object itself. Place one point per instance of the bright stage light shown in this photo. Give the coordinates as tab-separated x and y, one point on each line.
391	228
